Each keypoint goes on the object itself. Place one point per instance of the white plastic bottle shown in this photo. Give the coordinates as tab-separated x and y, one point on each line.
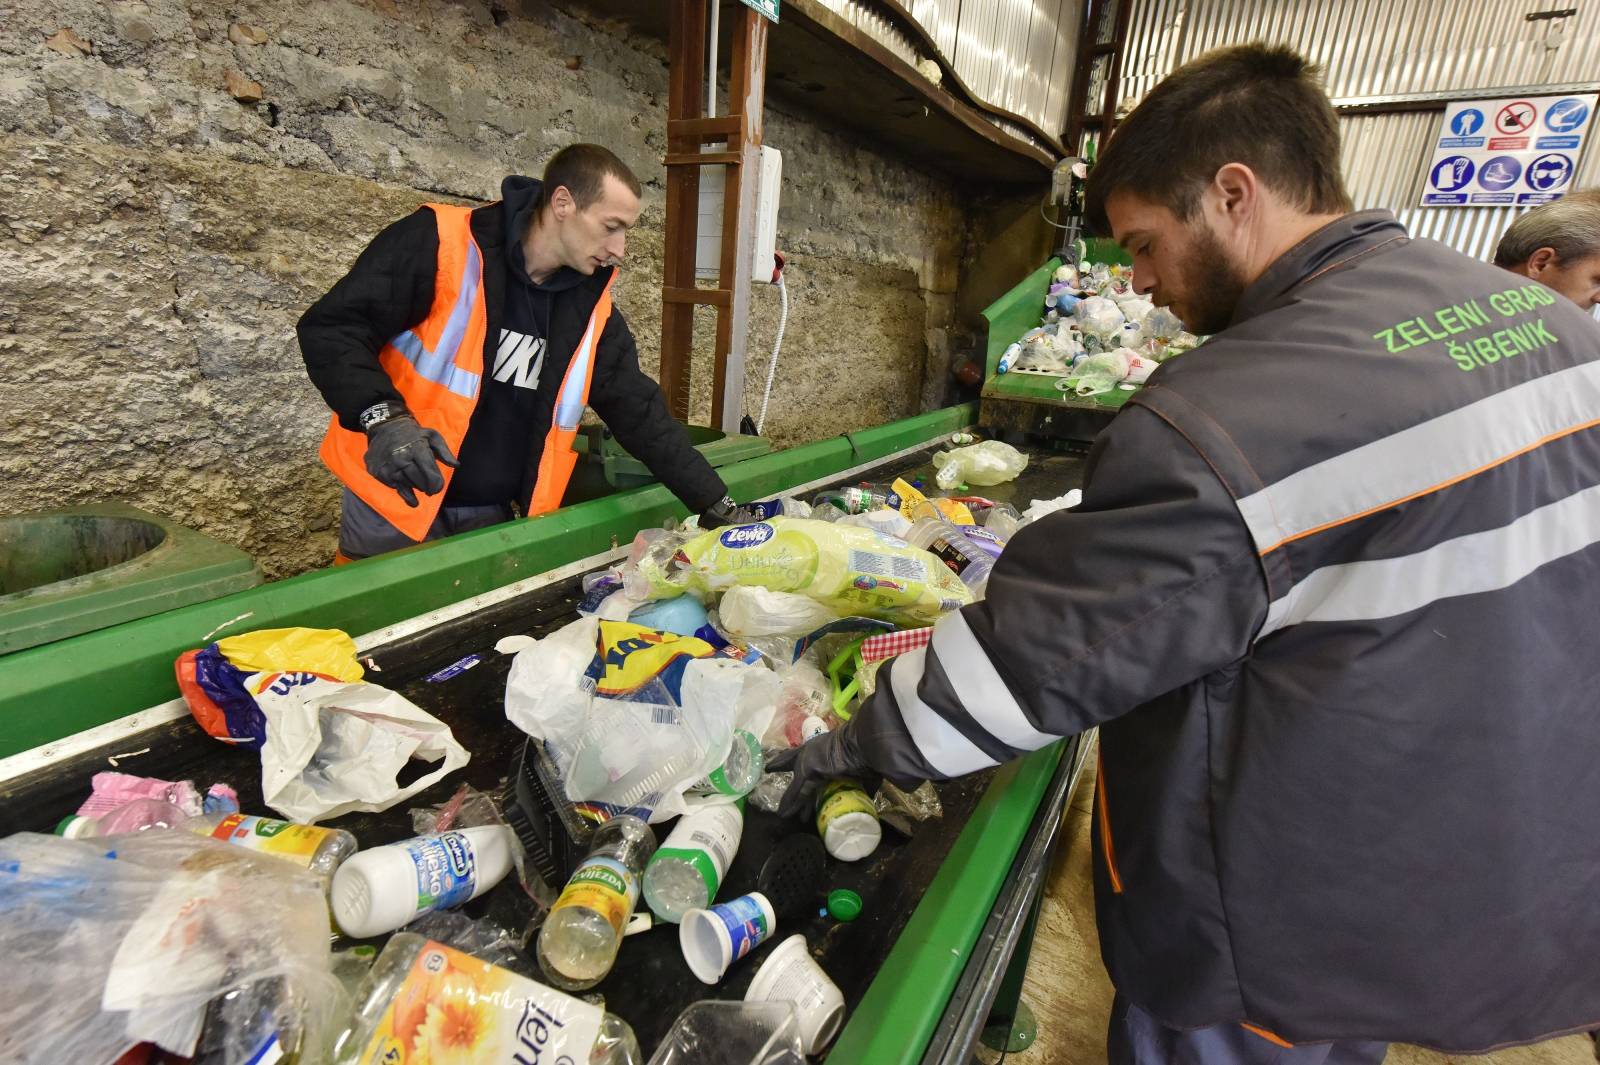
685	873
384	888
847	821
579	941
739	773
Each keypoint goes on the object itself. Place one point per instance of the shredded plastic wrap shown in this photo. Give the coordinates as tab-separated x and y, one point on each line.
165	937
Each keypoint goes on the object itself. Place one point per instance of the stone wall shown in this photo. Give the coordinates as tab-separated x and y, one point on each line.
179	180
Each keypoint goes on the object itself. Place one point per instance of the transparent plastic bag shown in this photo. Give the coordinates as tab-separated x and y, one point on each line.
180	940
733	1033
991	462
747	610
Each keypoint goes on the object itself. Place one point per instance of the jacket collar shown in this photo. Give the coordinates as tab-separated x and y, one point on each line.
1329	248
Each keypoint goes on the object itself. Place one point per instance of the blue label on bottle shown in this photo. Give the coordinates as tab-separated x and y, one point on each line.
745	922
447	870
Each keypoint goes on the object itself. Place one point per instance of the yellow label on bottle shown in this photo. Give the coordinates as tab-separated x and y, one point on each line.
605	886
840	797
453	1007
282	839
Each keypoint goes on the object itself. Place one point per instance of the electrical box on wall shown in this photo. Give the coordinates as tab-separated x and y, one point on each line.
708	243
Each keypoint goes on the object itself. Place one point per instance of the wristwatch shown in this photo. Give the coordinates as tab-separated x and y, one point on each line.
381	412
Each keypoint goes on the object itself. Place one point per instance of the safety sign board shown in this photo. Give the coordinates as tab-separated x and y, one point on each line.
1491	153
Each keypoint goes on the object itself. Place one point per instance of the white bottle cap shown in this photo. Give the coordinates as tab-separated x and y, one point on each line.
852	836
791	974
714	939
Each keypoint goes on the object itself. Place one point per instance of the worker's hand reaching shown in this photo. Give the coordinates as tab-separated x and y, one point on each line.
814	763
726	512
406	457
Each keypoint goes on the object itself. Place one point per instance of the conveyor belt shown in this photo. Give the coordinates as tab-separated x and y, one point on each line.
650	984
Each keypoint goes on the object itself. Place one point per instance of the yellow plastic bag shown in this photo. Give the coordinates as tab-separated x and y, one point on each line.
325	652
851	570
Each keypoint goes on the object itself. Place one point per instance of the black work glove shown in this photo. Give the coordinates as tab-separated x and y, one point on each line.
814	763
726	512
406	457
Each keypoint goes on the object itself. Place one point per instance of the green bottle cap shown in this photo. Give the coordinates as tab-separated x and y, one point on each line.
844	904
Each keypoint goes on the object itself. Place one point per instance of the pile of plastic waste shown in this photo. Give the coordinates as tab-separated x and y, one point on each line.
163	923
1097	334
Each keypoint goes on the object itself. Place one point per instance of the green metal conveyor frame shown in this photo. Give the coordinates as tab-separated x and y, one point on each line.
965	925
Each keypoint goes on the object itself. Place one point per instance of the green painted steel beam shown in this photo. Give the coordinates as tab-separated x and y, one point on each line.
903	1006
62	688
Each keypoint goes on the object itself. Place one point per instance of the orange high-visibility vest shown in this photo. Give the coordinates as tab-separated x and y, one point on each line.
437	367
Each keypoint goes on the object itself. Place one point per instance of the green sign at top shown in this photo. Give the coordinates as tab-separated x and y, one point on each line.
768	8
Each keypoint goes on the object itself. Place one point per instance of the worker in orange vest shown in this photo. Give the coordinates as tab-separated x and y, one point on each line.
459	353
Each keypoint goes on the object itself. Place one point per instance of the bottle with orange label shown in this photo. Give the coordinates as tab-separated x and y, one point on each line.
319	850
579	941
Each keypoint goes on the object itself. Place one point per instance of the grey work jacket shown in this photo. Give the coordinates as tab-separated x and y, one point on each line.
1333	596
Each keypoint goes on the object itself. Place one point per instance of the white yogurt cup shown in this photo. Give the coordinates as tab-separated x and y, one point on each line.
791	974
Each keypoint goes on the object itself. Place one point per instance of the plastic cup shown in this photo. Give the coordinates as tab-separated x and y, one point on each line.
791	974
714	939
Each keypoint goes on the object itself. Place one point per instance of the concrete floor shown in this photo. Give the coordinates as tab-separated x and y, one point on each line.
1070	995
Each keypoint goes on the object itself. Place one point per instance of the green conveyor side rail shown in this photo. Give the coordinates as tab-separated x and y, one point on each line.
54	691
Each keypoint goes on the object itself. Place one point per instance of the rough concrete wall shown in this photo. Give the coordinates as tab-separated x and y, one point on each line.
178	180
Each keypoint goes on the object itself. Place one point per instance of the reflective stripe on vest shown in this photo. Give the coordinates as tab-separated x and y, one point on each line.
436	366
439	365
558	459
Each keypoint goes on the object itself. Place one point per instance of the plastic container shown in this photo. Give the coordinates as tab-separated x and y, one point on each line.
733	1033
422	1001
945	540
685	873
739	772
320	851
1002	520
847	821
384	888
790	974
714	939
579	940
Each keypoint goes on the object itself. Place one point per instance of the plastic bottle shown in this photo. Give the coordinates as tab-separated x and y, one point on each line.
383	888
1002	520
859	499
970	562
740	772
400	1014
847	821
685	873
321	851
578	943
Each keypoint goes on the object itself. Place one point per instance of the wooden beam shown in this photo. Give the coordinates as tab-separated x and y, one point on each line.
747	86
704	297
717	127
699	159
685	103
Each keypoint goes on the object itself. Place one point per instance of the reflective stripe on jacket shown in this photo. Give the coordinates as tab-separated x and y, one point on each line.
1332	597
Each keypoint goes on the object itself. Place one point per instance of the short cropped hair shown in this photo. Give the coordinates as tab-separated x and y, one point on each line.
582	169
1257	104
1569	226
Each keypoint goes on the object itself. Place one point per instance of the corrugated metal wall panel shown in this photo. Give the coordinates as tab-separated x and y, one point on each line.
1379	48
1059	83
1373	47
1385	161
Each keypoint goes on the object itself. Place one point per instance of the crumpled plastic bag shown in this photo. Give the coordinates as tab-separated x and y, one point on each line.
334	748
180	940
1100	373
212	678
749	610
1099	317
1162	325
1041	507
629	716
851	571
986	463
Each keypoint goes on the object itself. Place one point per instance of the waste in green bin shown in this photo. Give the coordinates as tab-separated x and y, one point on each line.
77	569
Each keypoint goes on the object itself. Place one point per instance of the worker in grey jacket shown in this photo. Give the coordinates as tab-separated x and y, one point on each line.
1331	597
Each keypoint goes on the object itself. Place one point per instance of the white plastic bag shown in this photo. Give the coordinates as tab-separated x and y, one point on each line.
335	748
180	940
749	610
991	462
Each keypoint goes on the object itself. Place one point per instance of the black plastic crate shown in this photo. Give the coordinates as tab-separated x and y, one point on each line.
553	836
